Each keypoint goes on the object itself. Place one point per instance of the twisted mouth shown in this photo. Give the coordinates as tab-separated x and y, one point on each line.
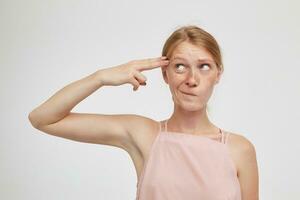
186	93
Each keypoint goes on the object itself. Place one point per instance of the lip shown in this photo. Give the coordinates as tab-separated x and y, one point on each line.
186	93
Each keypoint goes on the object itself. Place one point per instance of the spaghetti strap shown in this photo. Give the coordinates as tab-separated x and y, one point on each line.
166	126
226	138
222	135
159	126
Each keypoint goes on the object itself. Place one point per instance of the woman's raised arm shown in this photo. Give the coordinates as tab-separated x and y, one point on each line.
54	116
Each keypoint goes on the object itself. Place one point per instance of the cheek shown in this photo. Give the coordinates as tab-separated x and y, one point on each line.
210	80
174	87
174	79
208	87
208	90
210	84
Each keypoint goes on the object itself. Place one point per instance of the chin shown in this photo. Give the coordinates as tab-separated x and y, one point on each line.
192	106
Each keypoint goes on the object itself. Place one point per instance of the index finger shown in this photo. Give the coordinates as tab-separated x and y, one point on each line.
151	63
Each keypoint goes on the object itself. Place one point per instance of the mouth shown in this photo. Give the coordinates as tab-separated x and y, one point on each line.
189	94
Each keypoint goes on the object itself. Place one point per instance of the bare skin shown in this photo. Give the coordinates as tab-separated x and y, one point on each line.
54	116
134	133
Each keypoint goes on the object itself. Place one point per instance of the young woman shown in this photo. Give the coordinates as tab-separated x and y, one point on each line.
183	157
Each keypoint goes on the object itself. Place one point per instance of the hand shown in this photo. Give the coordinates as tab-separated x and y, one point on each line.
130	72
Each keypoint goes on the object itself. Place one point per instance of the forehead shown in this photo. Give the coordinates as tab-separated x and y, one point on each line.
187	50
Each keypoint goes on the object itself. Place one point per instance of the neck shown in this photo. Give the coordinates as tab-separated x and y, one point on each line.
194	122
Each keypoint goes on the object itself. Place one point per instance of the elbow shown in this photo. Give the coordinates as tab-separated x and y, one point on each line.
33	121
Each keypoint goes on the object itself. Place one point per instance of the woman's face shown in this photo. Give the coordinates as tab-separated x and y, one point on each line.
191	75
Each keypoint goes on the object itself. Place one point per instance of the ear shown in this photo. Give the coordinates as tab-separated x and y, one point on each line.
219	74
164	74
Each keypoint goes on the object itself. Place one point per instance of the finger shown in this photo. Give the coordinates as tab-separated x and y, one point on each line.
140	77
148	61
153	59
152	63
135	84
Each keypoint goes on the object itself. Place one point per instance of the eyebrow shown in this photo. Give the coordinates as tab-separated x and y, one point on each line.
201	60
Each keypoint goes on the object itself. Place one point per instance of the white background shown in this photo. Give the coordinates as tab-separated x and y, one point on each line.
45	45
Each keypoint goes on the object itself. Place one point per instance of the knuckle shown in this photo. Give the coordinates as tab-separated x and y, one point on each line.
132	72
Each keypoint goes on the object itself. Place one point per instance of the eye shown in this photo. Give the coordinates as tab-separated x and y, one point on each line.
178	68
205	64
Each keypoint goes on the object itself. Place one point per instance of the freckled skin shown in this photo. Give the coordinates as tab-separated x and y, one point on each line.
192	78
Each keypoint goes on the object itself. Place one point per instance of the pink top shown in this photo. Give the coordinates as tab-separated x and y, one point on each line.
183	166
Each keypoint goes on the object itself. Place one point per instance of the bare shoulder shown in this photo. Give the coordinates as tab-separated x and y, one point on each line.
142	131
241	149
241	142
141	122
244	155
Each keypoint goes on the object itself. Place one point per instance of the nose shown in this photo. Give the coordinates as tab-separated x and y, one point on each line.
192	80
